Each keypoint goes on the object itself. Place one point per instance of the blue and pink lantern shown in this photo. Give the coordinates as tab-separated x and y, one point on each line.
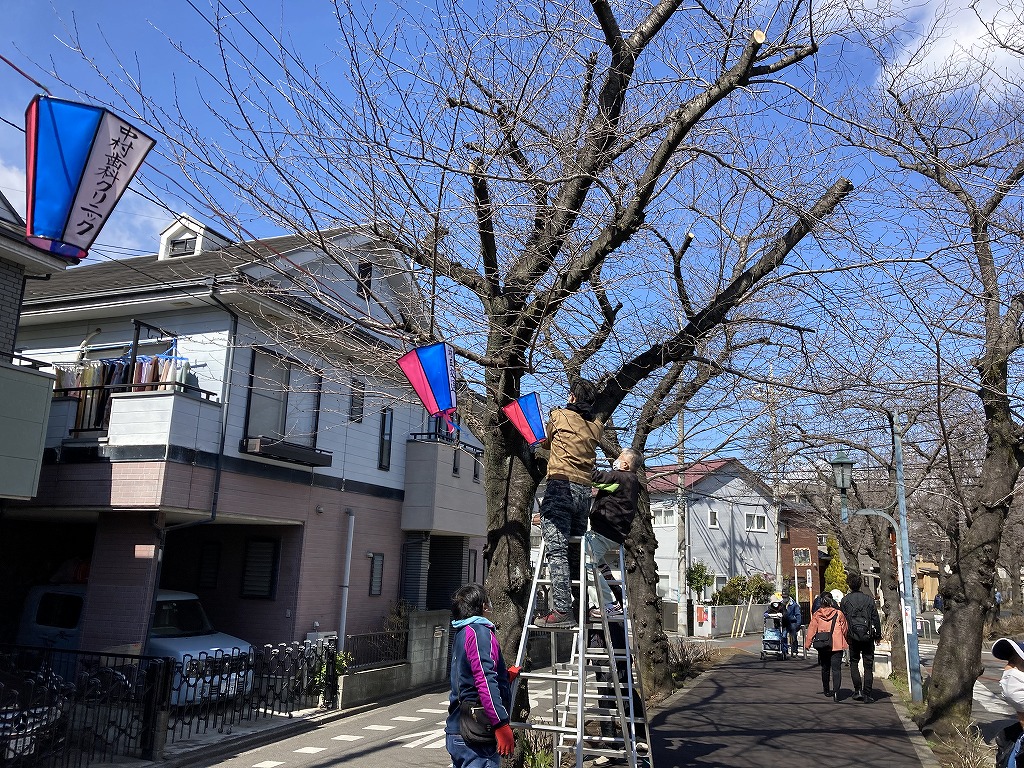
431	371
79	161
524	413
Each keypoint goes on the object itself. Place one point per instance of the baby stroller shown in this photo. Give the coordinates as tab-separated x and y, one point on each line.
773	638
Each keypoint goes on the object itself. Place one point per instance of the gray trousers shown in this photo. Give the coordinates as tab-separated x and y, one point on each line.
563	513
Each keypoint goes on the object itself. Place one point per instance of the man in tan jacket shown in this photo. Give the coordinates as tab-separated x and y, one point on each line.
572	438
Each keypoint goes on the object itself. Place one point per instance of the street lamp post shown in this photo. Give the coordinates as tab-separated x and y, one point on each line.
842	470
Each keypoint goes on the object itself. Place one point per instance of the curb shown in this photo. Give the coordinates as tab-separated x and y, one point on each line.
917	739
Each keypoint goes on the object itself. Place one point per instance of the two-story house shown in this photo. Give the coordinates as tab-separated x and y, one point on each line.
220	426
729	522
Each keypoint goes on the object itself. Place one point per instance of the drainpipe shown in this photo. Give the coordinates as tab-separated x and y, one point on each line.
343	618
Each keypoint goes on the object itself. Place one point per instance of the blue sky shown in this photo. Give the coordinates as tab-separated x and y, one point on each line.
37	32
36	38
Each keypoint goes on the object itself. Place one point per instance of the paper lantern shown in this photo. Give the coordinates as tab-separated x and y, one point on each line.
79	161
431	371
524	413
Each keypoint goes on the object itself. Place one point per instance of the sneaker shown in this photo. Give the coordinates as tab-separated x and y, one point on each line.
613	609
858	696
556	620
866	697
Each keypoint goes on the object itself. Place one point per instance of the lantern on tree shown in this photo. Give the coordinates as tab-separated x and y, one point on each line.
431	372
524	413
79	161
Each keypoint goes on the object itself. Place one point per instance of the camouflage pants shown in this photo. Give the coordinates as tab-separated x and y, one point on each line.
563	513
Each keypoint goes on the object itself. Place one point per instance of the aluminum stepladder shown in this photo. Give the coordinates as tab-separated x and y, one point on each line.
607	699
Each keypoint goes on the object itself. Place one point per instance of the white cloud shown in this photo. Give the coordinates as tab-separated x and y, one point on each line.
12	184
952	32
133	228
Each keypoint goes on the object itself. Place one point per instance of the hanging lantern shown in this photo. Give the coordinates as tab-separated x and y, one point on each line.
79	161
524	413
431	371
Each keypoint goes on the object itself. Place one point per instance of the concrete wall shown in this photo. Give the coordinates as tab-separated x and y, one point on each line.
427	665
719	622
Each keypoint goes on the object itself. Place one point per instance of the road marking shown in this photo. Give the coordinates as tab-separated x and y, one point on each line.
433	711
989	701
378	727
268	764
309	750
407	719
343	738
436	744
420	739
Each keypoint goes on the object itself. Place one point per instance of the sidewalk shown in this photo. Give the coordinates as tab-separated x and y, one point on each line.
748	713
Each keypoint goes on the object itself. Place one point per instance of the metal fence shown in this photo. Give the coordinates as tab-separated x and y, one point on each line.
377	649
68	709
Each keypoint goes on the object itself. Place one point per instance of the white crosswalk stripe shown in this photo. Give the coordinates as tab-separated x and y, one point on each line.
989	701
420	739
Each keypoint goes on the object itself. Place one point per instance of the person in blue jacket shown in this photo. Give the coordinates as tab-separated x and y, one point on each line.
478	674
793	620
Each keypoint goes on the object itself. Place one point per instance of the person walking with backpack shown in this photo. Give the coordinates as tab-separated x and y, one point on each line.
827	635
864	629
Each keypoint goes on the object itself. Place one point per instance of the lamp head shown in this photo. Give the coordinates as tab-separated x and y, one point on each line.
842	471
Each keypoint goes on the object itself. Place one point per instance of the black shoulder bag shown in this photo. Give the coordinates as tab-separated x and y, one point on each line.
822	641
474	725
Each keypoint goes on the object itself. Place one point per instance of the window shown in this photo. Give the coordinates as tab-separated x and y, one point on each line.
471	567
59	610
183	245
356	398
757	522
259	572
783	530
365	277
712	518
377	573
284	400
720	582
209	565
455	461
387	417
801	556
476	470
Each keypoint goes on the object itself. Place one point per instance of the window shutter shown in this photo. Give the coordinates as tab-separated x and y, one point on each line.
259	574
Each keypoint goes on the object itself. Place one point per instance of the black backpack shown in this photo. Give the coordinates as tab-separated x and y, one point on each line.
859	622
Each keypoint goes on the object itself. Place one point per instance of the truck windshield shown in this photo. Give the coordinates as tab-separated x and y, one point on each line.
180	618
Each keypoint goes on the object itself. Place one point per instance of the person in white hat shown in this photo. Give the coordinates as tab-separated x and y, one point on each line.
1010	742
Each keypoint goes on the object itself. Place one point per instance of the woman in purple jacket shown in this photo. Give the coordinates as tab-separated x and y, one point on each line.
478	674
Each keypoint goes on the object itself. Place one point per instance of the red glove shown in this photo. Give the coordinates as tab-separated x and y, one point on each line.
513	673
506	742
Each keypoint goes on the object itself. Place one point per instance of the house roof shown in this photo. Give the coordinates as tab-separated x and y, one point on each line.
665	478
140	273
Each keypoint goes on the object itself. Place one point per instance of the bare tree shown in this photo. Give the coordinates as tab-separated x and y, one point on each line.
520	161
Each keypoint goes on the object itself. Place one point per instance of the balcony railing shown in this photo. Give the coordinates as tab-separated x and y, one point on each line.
93	415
